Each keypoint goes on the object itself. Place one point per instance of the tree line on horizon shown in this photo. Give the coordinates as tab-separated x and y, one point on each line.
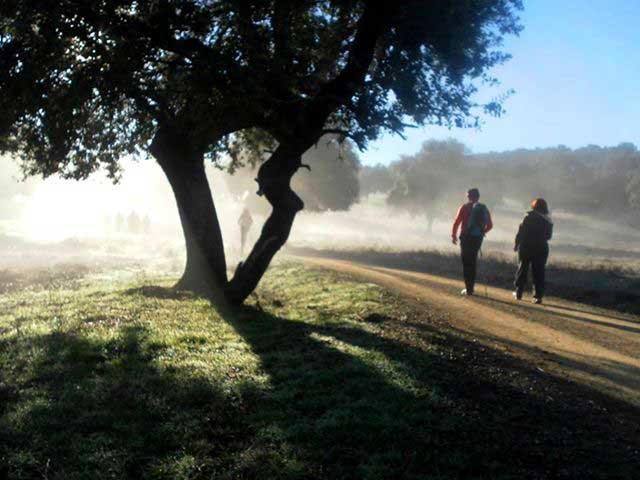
592	180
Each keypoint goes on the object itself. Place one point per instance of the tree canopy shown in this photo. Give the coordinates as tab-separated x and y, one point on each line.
85	83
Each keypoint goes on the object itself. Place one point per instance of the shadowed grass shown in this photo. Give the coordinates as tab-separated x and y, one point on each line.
318	377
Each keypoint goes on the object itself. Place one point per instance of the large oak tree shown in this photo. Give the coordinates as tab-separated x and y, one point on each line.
84	83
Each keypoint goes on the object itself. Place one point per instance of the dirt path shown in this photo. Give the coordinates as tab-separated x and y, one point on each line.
592	346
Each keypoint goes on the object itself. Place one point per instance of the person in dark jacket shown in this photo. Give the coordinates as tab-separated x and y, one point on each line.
533	248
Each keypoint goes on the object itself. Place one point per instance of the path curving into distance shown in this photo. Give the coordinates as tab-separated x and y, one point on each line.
592	346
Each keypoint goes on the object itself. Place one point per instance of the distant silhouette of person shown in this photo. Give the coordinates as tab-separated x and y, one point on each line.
532	246
245	221
474	221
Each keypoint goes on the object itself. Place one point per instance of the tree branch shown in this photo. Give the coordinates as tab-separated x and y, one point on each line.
373	23
161	36
281	31
343	133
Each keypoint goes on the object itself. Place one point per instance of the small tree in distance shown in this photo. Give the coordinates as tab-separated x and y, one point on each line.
85	83
430	180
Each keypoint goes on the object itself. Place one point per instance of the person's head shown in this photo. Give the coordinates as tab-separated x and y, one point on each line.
473	194
540	205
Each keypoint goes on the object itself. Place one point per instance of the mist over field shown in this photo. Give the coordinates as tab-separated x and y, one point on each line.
405	206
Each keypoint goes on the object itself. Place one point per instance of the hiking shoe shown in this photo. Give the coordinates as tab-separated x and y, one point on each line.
517	295
536	300
466	293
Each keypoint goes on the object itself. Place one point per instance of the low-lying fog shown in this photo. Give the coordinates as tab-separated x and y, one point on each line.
56	220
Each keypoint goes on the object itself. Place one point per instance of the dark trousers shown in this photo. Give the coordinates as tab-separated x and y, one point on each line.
469	248
537	258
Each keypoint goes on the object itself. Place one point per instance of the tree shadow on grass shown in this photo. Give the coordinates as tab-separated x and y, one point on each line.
341	402
163	293
623	375
360	405
103	409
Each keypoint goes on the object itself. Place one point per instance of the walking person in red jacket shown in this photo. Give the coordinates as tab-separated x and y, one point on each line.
474	221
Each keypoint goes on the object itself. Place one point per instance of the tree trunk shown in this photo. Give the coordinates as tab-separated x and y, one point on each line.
205	270
274	181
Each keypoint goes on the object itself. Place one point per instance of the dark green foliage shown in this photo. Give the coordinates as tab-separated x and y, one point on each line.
85	83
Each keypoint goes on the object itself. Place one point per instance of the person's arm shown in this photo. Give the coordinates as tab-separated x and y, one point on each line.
456	224
489	223
549	230
518	238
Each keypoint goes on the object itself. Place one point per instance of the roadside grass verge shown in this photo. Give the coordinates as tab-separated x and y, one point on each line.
318	376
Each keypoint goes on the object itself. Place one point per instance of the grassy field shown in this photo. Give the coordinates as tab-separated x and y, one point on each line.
109	375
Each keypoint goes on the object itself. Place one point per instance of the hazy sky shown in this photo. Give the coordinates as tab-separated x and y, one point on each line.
576	73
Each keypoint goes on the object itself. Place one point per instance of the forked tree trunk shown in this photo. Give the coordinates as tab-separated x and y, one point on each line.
205	270
206	266
274	181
